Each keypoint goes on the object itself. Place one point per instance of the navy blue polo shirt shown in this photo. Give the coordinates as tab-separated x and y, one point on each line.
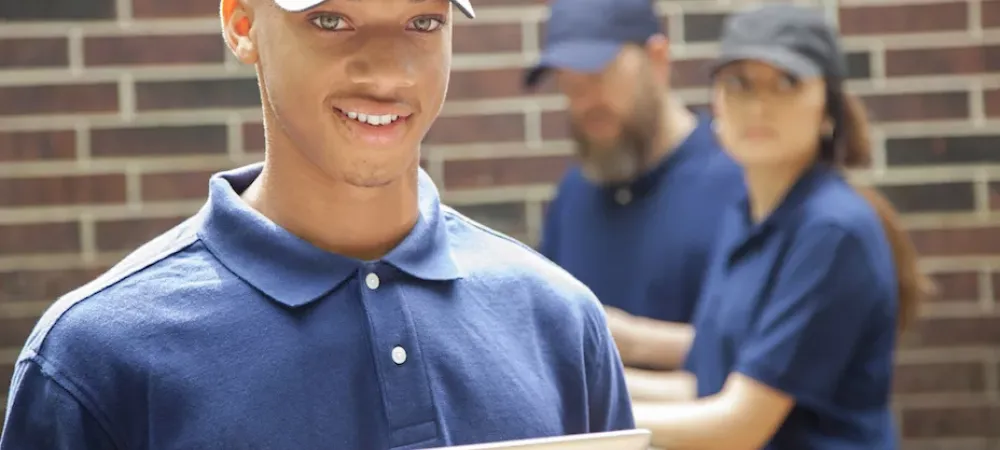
805	302
228	332
643	247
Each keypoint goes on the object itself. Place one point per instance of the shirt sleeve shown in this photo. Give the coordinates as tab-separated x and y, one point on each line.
816	317
44	415
609	402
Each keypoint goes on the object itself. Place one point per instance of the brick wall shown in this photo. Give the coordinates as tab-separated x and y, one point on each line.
114	112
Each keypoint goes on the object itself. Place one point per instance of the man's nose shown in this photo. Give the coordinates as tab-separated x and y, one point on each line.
384	67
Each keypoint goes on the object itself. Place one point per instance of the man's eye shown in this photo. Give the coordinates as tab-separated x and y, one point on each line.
330	22
787	83
426	24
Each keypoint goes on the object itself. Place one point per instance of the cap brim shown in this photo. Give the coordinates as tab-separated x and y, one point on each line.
301	5
579	56
781	58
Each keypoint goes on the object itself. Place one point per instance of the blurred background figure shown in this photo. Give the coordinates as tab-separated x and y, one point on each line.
114	112
812	282
636	219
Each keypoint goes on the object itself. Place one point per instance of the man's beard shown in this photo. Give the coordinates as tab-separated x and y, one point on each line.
627	156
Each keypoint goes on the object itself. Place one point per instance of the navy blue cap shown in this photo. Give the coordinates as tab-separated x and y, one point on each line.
586	35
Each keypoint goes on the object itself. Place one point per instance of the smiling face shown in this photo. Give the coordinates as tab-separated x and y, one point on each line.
351	85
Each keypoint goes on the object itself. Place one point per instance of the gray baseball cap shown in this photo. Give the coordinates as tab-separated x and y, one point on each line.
301	5
795	39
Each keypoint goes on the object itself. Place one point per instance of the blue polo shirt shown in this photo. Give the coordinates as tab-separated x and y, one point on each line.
228	332
805	302
643	247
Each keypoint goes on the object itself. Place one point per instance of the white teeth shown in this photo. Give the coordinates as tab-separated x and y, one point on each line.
372	119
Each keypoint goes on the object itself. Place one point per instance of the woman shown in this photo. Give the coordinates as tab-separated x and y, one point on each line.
813	278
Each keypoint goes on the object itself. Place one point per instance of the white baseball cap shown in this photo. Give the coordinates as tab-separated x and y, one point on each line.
301	5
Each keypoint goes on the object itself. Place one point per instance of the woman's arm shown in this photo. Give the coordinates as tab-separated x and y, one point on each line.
654	386
644	342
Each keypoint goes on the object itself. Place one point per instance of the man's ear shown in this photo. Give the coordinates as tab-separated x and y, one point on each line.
237	21
658	51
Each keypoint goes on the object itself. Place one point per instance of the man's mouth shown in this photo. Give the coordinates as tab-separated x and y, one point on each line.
375	128
372	119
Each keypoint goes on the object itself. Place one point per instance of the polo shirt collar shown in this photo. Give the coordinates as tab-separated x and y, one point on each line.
808	182
291	270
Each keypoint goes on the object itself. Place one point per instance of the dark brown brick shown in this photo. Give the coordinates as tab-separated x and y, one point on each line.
253	137
175	8
925	198
225	93
507	218
50	10
703	27
127	235
918	106
994	191
14	332
992	101
175	185
859	65
957	422
965	377
58	99
45	285
555	125
957	241
897	19
38	238
481	84
686	73
6	374
18	146
64	190
956	286
991	14
158	141
479	173
33	52
958	332
486	128
128	50
934	61
942	150
486	38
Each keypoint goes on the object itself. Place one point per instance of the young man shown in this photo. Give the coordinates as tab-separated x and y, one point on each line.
324	299
636	221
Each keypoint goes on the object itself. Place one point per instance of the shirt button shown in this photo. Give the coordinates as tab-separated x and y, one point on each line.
399	355
372	281
623	196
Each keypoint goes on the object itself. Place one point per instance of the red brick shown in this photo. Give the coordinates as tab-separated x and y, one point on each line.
957	241
129	50
964	377
991	13
897	19
14	332
918	106
65	190
483	84
174	8
39	238
555	125
253	137
685	73
957	332
175	185
480	173
45	285
33	53
57	10
58	99
20	146
486	38
943	61
158	141
956	286
955	422
127	235
992	101
485	128
233	93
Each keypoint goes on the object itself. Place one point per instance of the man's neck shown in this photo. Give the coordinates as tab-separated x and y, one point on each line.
358	222
678	123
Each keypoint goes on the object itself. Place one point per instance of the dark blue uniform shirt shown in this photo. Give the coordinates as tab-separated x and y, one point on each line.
805	302
644	247
230	333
